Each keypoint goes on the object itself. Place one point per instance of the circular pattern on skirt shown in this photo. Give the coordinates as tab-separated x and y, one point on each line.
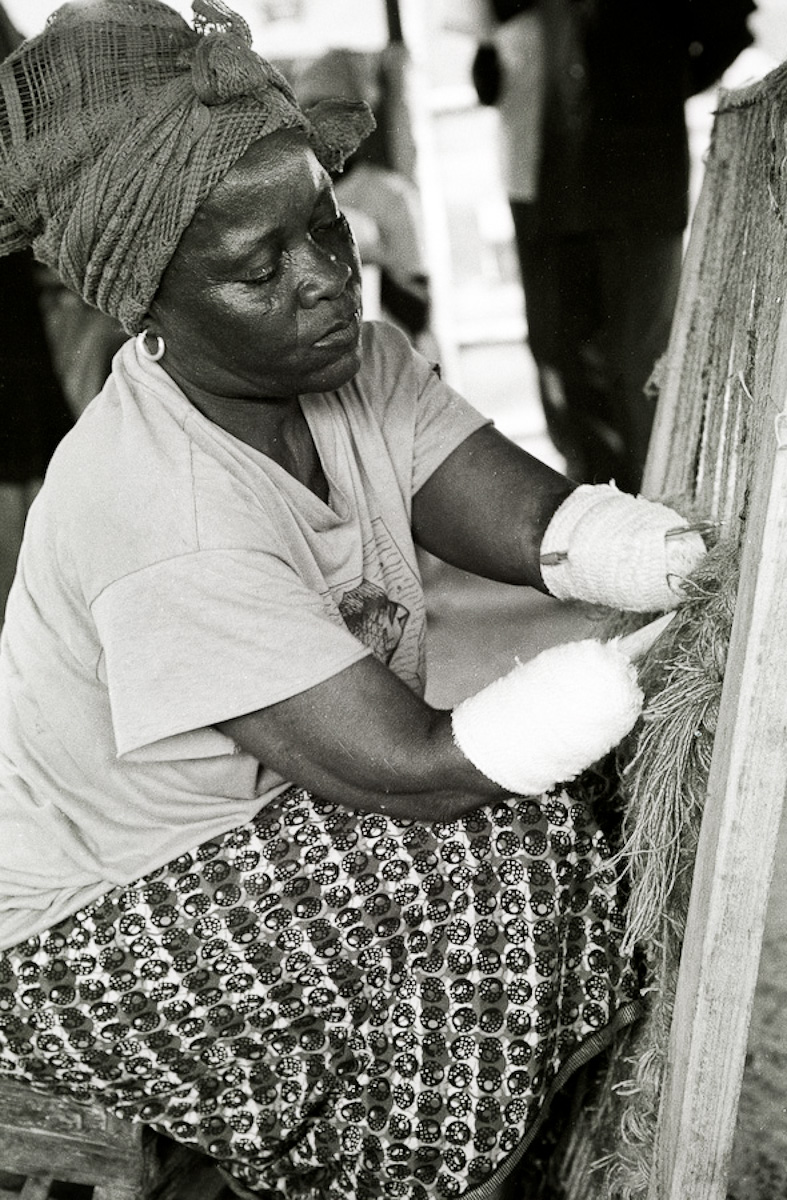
331	1003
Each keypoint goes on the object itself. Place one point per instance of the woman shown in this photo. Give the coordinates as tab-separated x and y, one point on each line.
255	891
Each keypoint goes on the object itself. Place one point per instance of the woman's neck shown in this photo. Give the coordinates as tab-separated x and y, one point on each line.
274	426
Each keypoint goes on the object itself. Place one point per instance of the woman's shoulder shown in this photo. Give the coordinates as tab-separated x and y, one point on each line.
125	435
119	487
392	375
393	385
389	357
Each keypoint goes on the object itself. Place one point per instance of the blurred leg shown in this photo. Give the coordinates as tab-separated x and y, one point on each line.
15	499
564	316
639	275
599	312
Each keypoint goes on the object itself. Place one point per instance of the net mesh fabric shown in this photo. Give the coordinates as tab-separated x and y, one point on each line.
115	124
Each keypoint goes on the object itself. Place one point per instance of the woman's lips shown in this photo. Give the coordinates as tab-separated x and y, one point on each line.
341	333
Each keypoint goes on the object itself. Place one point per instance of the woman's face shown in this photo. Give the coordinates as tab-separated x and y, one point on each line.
263	295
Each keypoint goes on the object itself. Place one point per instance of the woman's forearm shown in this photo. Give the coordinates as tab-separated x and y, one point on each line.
486	508
364	740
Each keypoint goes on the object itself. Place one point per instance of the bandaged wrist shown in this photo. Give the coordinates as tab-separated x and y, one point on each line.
607	547
549	718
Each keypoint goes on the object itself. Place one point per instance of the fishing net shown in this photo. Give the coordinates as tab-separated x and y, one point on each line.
719	403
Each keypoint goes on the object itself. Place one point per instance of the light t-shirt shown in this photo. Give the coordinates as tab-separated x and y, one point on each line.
172	577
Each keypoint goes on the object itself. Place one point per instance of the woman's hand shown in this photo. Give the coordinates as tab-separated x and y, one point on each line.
364	740
551	717
493	509
607	547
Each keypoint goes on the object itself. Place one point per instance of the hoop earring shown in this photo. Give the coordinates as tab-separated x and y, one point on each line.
142	346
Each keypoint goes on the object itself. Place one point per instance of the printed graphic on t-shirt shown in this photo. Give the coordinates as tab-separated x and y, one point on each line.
383	606
374	619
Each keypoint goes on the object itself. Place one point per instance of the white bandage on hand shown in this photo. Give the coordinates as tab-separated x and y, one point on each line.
611	548
550	718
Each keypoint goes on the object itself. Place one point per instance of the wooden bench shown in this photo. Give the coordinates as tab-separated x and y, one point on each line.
49	1142
47	1139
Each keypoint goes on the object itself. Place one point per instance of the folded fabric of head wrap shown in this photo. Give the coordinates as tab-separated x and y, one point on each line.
115	124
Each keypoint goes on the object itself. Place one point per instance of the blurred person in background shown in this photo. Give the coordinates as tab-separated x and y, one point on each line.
35	415
591	97
83	342
380	202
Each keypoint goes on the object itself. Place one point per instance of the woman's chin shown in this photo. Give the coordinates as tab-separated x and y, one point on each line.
340	371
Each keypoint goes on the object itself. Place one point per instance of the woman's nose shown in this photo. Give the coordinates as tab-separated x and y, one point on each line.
325	276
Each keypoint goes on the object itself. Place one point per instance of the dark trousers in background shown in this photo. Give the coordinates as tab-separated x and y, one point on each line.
599	311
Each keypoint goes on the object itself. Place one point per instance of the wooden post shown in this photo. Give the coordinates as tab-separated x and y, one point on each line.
416	22
735	858
668	470
394	19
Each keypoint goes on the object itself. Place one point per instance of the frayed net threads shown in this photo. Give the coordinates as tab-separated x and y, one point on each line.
663	787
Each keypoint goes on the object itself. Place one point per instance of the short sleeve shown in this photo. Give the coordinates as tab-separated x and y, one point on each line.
444	420
421	415
208	636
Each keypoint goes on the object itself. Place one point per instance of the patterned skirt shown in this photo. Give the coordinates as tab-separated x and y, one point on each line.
337	1005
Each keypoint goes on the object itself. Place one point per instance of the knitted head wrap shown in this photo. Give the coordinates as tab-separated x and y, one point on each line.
115	124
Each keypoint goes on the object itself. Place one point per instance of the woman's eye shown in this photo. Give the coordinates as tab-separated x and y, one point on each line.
330	224
264	275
